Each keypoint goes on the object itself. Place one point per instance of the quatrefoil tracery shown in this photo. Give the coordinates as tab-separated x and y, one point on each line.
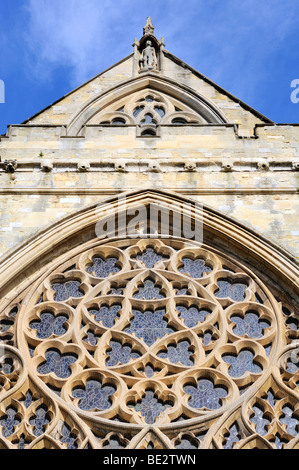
152	333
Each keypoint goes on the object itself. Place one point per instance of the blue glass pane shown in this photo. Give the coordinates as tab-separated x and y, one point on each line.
149	371
207	338
40	421
116	291
160	111
6	366
150	257
250	325
260	420
9	422
106	315
67	437
293	323
149	291
183	291
192	315
57	363
103	267
195	268
28	399
186	443
114	443
279	442
49	325
137	110
5	325
292	365
205	395
242	363
120	354
232	438
66	290
150	407
290	420
232	289
268	349
271	398
178	354
91	338
118	121
22	442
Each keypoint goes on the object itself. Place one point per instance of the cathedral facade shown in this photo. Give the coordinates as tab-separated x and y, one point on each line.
149	266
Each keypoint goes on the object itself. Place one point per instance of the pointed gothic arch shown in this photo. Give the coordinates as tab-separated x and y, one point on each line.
200	104
205	293
78	228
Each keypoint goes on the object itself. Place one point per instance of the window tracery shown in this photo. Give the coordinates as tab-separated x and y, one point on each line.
147	110
149	332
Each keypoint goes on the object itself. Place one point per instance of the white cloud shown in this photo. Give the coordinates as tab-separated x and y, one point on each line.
222	39
70	33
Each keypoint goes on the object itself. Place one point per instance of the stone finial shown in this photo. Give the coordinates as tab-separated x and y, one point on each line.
149	28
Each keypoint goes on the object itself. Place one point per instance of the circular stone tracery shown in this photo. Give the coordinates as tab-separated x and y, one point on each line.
148	332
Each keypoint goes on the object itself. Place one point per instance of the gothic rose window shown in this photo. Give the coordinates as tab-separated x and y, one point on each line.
148	108
152	332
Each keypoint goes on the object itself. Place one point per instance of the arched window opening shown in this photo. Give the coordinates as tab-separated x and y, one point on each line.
160	111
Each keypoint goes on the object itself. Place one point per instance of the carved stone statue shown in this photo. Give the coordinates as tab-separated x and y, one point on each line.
148	60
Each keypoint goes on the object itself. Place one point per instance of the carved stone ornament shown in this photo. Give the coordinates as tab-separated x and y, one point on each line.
148	48
126	335
148	60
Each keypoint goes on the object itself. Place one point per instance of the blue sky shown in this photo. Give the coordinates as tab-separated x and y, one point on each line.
49	47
